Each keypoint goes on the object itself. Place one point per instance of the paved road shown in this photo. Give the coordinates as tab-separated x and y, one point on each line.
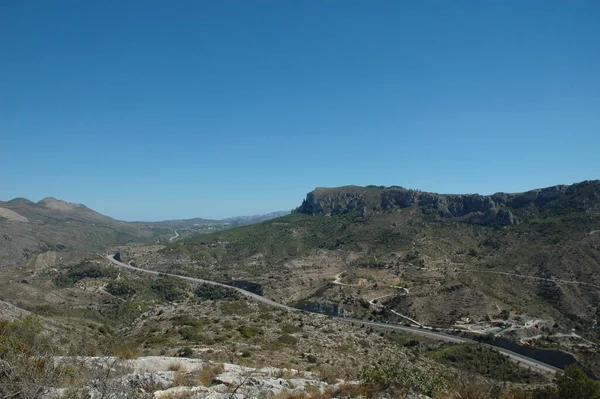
175	236
526	361
199	280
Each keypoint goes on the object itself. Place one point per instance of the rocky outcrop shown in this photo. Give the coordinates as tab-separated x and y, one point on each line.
340	203
499	209
154	376
10	312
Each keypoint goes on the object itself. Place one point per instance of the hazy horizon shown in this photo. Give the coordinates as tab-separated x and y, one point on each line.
161	111
235	215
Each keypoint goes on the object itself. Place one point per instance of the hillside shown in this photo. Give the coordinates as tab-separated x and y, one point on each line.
198	225
88	314
446	262
436	260
28	228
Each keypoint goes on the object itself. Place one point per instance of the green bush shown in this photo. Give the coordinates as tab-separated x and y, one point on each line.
290	329
209	292
121	288
185	320
85	269
186	351
249	331
189	333
394	374
237	307
574	383
23	336
484	360
122	312
168	288
27	364
287	339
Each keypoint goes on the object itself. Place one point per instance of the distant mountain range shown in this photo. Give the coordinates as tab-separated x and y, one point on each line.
232	221
28	227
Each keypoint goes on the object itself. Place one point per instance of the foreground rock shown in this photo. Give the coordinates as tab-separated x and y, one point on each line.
171	377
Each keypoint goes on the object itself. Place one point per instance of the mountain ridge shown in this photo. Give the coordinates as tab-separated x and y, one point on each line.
499	209
60	205
51	224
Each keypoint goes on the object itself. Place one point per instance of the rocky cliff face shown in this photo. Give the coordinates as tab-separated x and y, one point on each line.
500	209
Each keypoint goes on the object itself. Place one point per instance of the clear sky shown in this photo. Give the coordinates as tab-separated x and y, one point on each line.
149	110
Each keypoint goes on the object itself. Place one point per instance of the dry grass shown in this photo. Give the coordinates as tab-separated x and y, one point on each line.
182	379
465	387
208	373
203	376
126	352
517	395
291	395
91	350
175	366
286	374
328	375
356	391
342	391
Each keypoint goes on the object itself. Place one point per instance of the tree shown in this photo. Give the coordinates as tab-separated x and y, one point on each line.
574	383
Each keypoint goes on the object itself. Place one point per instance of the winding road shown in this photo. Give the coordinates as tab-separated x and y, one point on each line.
523	360
175	236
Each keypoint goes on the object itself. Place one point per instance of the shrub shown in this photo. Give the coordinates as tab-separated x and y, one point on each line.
85	269
249	331
504	314
126	352
182	379
208	373
485	361
121	288
287	339
311	358
168	288
189	333
209	292
185	320
574	383
237	307
174	366
466	387
186	351
290	329
392	374
328	375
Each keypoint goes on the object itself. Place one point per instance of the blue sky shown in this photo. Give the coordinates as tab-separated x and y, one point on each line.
173	109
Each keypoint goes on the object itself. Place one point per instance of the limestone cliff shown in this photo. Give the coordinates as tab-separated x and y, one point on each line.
500	209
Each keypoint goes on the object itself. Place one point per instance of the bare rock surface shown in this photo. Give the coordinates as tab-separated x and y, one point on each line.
10	312
164	377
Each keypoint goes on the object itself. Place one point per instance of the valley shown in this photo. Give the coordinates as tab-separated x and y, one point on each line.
398	274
